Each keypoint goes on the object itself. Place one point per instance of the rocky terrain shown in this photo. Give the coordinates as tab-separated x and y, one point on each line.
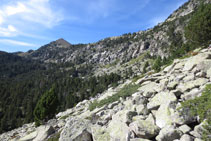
151	113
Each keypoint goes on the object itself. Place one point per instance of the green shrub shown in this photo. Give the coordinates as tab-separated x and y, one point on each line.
201	106
157	64
46	106
126	91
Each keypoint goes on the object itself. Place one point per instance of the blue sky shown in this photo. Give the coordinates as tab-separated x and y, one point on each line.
29	24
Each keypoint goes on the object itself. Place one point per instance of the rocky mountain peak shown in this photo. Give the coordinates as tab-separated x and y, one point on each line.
61	43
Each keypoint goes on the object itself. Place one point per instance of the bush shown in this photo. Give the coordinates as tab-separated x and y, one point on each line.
126	91
198	30
46	106
201	106
157	64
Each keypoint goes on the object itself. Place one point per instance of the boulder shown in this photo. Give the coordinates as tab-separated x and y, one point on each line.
168	115
142	110
192	94
29	137
209	73
183	87
169	133
138	99
124	116
161	98
186	137
150	89
204	65
145	128
76	129
43	132
118	131
99	133
185	129
194	61
172	85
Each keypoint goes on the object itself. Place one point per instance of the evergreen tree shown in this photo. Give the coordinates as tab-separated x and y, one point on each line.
198	30
46	106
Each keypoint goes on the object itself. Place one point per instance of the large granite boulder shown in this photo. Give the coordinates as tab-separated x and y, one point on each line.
161	98
76	130
144	128
169	133
43	132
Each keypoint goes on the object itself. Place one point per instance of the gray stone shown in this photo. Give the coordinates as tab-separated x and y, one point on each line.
139	100
118	131
192	84
142	110
189	77
100	133
76	129
150	89
186	137
145	128
124	116
164	115
204	65
161	98
185	129
192	94
209	73
29	137
43	132
172	85
169	133
110	106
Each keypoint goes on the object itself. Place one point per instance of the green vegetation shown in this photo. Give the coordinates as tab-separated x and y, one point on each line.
201	106
126	91
198	30
46	106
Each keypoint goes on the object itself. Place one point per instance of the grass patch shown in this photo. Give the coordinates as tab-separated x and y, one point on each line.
126	91
201	106
137	77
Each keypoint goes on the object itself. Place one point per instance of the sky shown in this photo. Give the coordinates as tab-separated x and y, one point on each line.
29	24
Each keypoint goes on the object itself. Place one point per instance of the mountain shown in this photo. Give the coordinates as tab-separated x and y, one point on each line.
81	71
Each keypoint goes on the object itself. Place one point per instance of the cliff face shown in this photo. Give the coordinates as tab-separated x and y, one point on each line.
149	111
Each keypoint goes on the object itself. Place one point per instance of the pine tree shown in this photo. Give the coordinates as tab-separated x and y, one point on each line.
46	106
198	30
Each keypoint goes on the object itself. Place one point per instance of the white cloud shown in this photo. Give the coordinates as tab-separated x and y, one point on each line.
14	42
15	9
9	31
26	13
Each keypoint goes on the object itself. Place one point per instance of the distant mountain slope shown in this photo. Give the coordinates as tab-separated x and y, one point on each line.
12	65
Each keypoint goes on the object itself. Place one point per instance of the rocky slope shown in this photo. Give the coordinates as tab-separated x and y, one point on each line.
151	113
